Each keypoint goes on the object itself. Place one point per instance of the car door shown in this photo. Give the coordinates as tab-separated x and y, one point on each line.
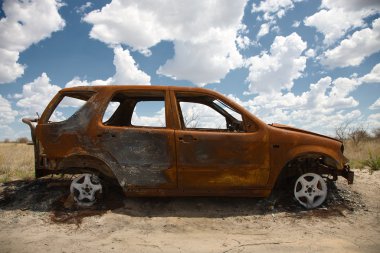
214	148
137	133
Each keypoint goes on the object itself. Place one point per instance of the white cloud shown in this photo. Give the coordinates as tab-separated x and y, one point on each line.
126	72
373	120
271	10
9	68
83	8
264	30
353	50
296	23
324	106
143	24
271	72
7	114
375	105
310	53
26	23
373	76
336	17
201	63
243	42
36	95
157	119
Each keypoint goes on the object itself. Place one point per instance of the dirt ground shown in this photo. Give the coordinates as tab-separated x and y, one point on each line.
33	218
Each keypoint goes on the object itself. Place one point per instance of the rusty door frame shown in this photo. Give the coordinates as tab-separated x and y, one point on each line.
168	128
251	126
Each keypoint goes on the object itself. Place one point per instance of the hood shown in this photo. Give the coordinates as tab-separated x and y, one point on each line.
300	131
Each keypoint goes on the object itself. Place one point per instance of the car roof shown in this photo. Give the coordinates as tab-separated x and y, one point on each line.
132	87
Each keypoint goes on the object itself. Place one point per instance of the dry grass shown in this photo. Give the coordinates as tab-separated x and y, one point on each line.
362	152
16	161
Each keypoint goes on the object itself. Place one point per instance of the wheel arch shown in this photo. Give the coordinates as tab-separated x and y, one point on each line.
80	163
304	162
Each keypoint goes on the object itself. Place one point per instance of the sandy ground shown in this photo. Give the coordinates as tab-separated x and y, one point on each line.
33	219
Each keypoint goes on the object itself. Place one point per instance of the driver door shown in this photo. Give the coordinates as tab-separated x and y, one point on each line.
214	151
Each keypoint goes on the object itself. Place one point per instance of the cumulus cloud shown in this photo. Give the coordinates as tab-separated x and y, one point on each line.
296	24
83	8
273	71
7	114
353	50
36	95
143	24
264	30
373	120
271	10
201	63
325	105
310	53
337	17
127	72
373	76
25	23
375	105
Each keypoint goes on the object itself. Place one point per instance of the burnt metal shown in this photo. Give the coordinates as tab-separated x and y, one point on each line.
244	159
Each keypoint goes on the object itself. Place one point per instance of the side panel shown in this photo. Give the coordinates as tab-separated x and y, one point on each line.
213	161
145	156
220	160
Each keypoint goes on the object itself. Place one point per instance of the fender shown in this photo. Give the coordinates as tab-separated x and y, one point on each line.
333	159
330	158
86	161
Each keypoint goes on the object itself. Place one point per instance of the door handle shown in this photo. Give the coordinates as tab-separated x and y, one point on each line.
187	138
106	134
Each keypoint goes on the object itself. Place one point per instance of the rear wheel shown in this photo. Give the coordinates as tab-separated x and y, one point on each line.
310	190
86	189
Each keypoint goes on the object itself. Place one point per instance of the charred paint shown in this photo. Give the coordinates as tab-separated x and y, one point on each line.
144	156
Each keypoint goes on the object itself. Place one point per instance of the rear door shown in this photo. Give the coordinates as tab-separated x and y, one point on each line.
214	149
137	132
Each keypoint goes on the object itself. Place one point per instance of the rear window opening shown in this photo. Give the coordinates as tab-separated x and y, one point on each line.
131	109
68	106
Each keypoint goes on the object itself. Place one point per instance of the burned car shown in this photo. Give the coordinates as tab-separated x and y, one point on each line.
178	141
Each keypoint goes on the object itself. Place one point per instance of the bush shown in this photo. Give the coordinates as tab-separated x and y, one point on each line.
373	163
376	133
22	140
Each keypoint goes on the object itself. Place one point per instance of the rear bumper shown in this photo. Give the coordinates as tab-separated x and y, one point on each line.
347	174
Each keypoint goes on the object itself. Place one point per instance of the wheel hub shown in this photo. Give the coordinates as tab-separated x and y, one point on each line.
85	189
310	190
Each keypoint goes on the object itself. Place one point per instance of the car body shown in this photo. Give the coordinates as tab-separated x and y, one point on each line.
199	143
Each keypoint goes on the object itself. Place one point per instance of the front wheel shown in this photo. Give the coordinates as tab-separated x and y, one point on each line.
310	190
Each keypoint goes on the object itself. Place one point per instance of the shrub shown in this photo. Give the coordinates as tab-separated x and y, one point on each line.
22	140
373	163
376	133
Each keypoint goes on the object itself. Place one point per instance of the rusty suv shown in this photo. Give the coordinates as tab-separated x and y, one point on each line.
178	141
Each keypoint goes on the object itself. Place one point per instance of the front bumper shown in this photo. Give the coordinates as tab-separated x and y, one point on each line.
347	174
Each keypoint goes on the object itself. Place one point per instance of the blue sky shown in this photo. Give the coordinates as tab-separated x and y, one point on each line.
311	64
